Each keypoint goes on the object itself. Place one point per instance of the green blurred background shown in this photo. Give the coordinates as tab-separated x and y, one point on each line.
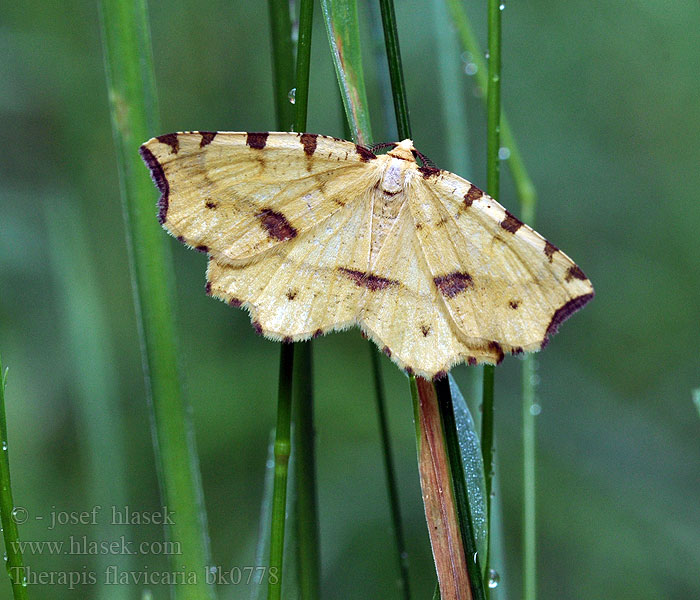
604	99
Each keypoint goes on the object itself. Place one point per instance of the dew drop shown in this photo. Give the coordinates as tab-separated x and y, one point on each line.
494	578
292	95
476	555
535	409
501	6
270	463
470	68
504	153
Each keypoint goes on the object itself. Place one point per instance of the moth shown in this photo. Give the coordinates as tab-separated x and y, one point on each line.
313	234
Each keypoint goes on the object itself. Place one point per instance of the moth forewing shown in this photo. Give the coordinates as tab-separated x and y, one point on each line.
235	195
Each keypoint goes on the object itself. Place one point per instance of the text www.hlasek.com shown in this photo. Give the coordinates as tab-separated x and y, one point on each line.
82	545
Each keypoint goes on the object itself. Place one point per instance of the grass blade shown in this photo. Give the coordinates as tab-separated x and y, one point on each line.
493	116
391	39
307	530
391	478
15	562
438	495
340	17
132	95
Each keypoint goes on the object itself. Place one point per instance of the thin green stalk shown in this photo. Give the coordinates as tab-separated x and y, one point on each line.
393	53
523	183
283	446
493	115
13	555
303	406
132	95
530	409
305	469
528	200
289	116
392	488
444	396
301	98
282	62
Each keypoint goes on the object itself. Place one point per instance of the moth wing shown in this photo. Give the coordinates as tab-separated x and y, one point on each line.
236	195
406	317
500	281
303	289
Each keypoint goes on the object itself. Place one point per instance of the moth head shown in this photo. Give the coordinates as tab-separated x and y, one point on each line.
404	150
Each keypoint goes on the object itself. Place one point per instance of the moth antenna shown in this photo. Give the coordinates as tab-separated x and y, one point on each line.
382	145
425	160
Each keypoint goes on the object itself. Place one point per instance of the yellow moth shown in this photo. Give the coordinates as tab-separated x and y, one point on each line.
313	234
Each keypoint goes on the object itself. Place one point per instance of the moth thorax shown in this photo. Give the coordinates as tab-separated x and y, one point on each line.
392	180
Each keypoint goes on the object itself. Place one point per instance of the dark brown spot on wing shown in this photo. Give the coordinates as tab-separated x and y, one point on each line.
471	361
207	137
158	176
287	339
365	153
428	171
258	328
318	333
496	348
425	330
564	312
181	239
276	225
549	250
387	351
171	140
453	283
371	282
308	140
204	249
514	304
207	288
409	371
574	272
235	302
473	194
210	205
257	140
291	294
510	223
516	350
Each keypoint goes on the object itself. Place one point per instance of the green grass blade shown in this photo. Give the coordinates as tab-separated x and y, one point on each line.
304	460
307	530
283	446
131	88
15	562
282	62
391	39
340	17
493	143
392	488
529	414
469	505
528	201
301	96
